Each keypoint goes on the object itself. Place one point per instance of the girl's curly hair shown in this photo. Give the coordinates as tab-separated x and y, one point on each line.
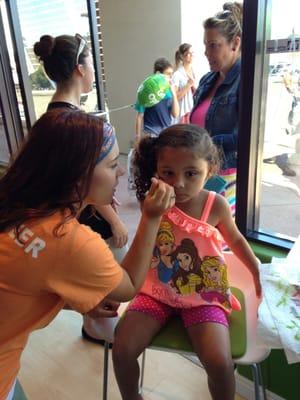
180	135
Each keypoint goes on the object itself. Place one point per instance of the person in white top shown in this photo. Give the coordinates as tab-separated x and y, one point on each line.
184	81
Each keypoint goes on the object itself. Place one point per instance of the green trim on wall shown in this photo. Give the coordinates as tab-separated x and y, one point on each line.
279	377
265	253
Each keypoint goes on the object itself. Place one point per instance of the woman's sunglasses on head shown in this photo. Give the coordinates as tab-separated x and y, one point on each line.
81	46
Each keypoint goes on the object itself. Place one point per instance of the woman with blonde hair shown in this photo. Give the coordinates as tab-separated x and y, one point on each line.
217	98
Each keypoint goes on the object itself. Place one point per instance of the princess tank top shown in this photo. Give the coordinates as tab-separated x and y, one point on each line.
188	268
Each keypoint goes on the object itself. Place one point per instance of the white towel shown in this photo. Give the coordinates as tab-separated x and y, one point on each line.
279	313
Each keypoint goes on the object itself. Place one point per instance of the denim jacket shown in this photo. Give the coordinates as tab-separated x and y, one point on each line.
223	113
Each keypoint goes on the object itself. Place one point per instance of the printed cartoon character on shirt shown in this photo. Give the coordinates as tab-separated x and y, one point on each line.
187	279
215	281
165	244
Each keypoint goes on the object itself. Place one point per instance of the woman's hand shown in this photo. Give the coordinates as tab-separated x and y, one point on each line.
115	204
105	309
160	197
120	234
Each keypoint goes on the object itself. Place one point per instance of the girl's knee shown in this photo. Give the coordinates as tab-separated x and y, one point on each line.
123	349
218	365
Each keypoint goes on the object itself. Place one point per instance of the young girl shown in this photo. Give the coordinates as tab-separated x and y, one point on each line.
184	81
184	156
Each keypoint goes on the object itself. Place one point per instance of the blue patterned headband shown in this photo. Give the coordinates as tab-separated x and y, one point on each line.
109	139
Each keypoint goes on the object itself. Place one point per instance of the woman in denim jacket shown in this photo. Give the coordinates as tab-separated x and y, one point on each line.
216	101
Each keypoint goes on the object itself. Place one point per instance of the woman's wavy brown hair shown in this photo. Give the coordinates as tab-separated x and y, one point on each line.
53	169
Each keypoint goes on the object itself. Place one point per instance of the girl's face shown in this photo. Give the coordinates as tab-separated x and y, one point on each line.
220	54
88	74
188	56
185	261
184	170
165	248
105	178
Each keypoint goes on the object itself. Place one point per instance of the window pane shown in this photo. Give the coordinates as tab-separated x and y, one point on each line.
4	152
280	186
53	17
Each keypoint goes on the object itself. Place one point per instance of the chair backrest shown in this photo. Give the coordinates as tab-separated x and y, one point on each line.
239	276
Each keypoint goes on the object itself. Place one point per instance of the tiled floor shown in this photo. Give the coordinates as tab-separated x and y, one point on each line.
58	365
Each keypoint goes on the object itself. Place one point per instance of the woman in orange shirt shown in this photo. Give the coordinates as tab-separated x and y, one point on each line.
47	258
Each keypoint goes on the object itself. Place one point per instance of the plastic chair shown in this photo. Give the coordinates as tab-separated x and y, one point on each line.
173	337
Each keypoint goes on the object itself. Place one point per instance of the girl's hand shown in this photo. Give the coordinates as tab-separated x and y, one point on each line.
191	81
120	234
160	197
172	89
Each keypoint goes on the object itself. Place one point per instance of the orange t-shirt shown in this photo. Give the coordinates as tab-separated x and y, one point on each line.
42	274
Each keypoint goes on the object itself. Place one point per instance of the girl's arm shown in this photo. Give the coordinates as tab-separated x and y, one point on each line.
235	240
138	258
120	233
182	92
175	104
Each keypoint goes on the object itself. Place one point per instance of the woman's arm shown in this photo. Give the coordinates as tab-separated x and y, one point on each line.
228	141
183	91
138	258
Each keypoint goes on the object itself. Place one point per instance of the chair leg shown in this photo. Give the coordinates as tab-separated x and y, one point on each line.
142	370
262	382
258	382
105	370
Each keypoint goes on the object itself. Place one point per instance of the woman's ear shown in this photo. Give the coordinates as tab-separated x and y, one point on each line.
236	43
79	68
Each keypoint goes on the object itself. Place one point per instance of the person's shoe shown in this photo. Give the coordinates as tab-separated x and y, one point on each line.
89	338
287	171
270	160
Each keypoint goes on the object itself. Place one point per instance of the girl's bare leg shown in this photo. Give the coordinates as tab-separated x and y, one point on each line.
211	342
134	333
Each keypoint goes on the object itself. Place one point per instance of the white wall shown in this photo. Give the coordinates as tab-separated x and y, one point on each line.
135	33
193	13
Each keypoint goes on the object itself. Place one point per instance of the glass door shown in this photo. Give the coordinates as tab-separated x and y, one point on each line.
279	205
12	121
